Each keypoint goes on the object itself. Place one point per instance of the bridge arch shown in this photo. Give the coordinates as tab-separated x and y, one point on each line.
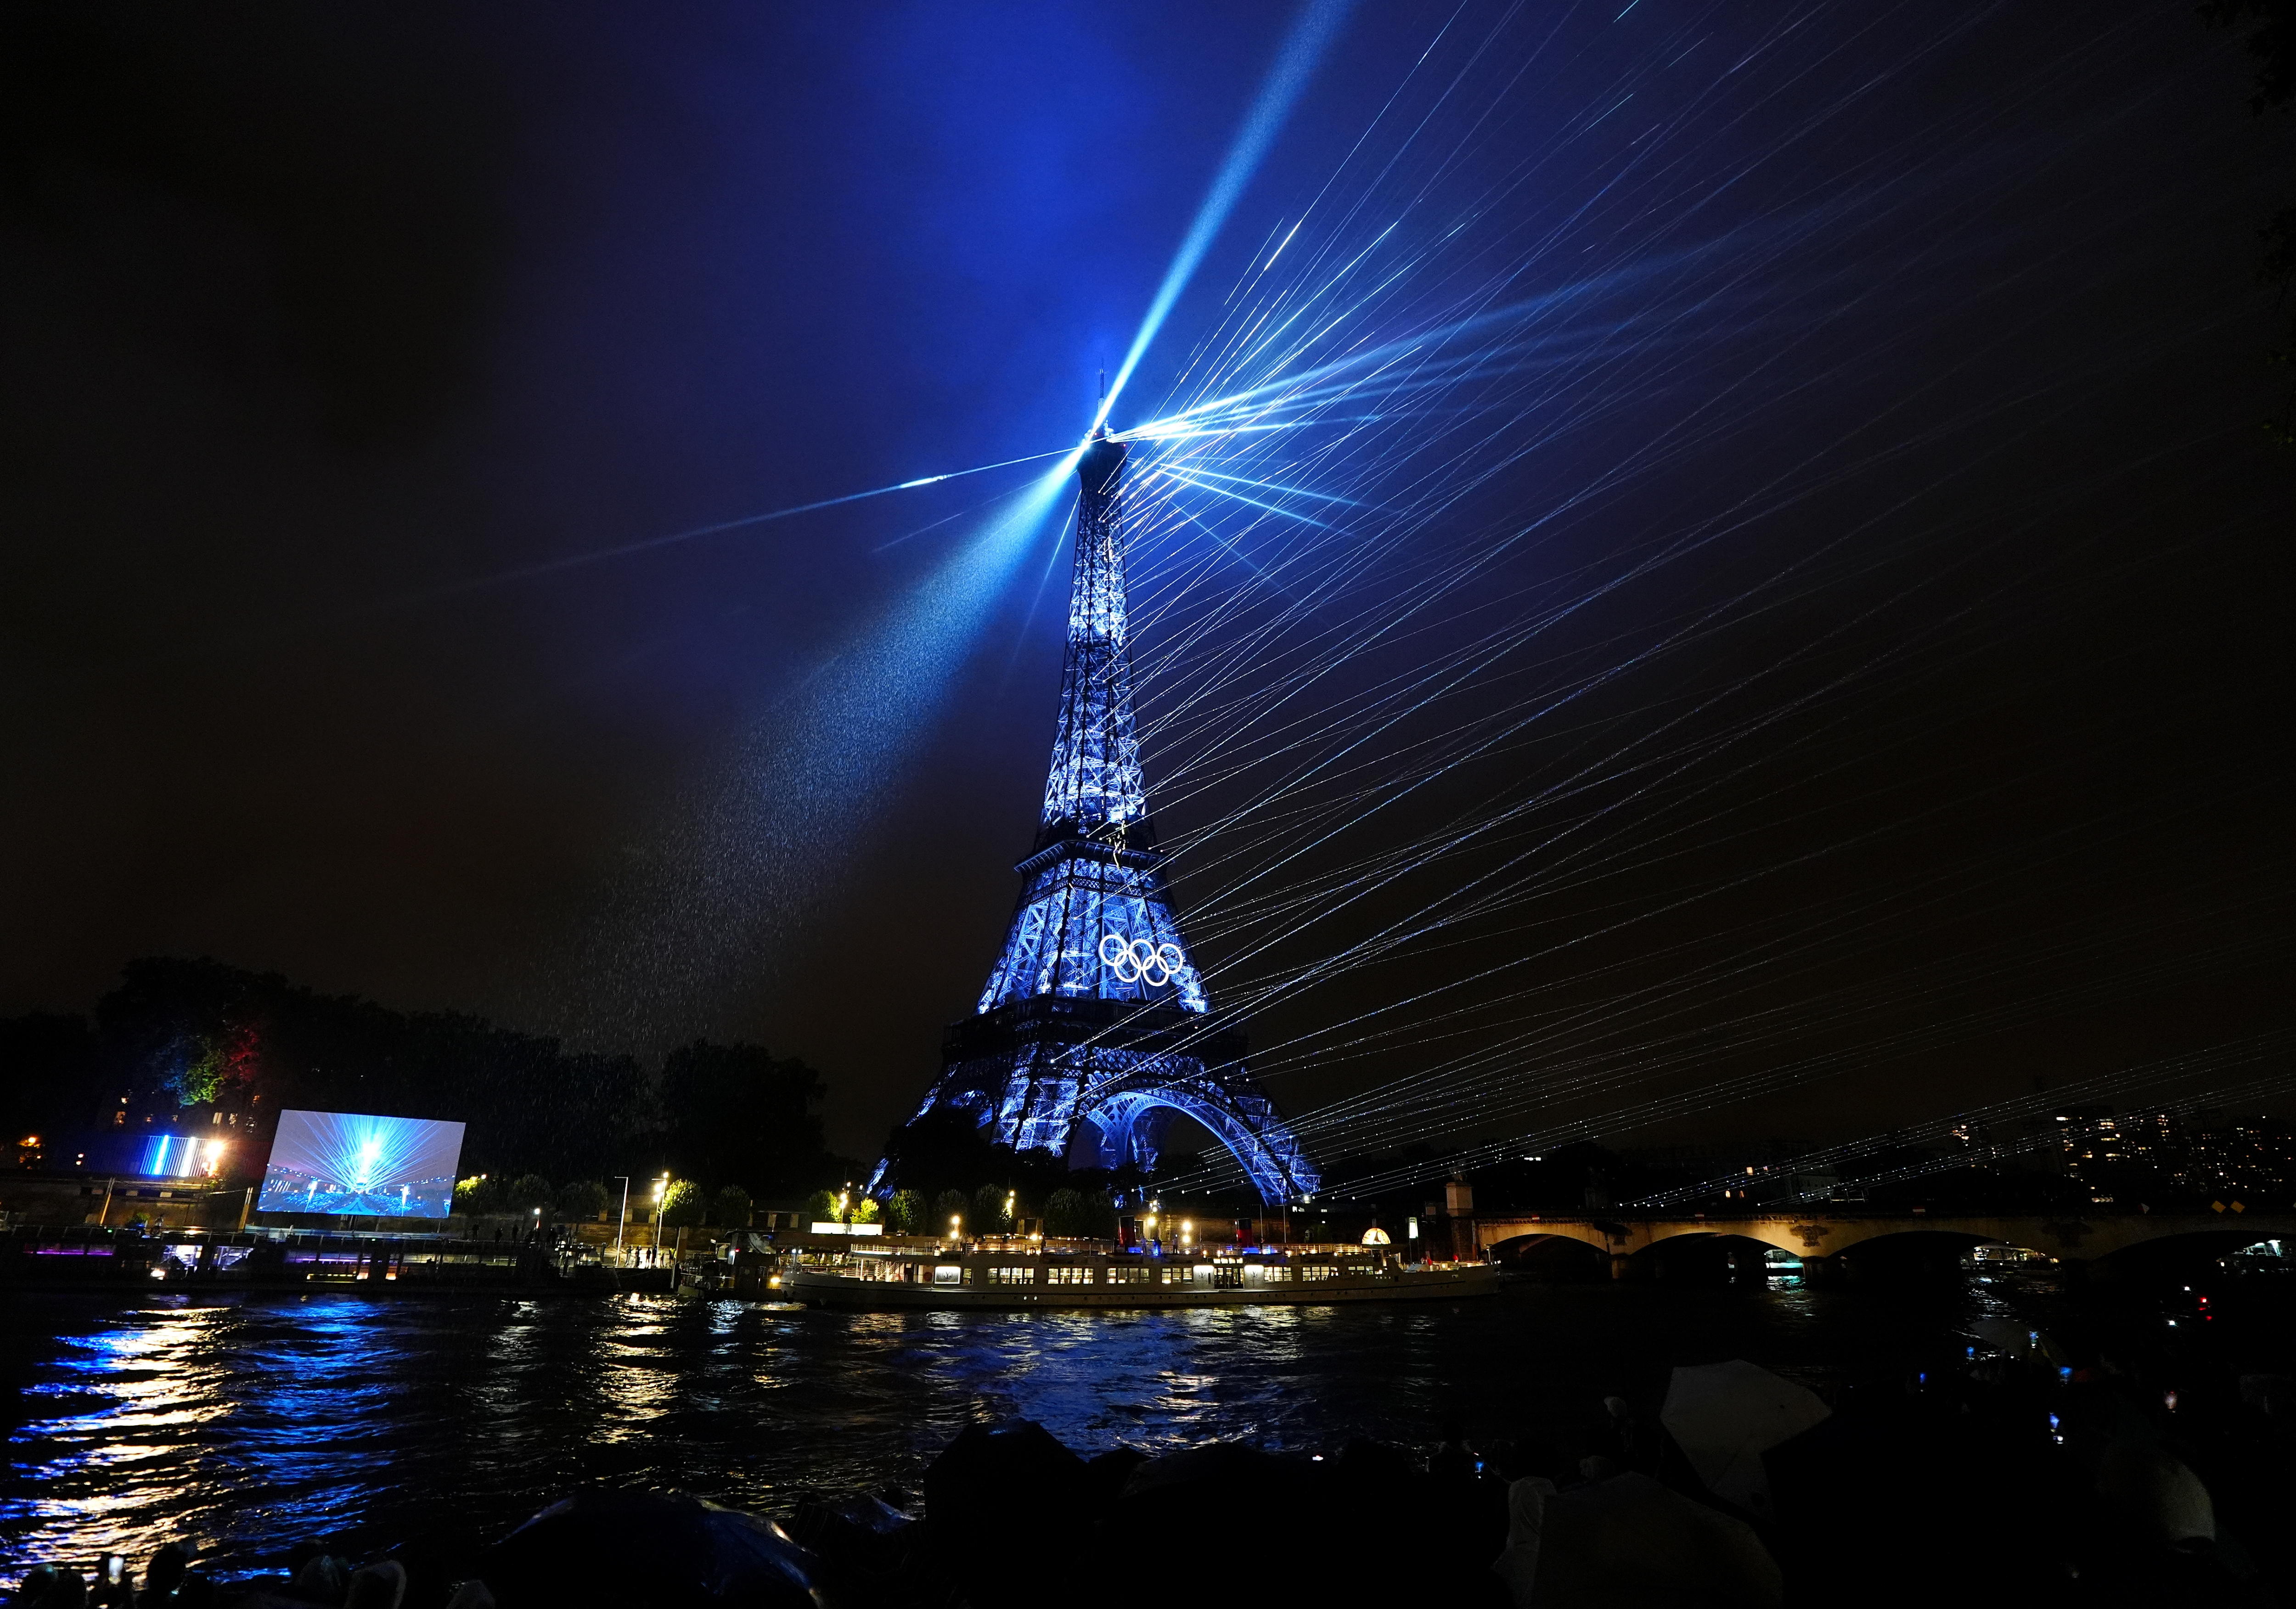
1559	1255
1817	1234
2180	1244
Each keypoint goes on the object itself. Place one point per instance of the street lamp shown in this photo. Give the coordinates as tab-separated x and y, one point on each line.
622	1222
956	1224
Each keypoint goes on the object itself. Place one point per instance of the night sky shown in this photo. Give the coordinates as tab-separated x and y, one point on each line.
330	332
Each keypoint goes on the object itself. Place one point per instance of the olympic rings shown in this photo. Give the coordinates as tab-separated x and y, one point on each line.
1137	961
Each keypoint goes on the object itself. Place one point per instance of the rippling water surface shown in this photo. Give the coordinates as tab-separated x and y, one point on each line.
244	1426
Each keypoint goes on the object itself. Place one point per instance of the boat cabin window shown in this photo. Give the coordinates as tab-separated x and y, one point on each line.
1128	1274
1026	1274
947	1273
1067	1273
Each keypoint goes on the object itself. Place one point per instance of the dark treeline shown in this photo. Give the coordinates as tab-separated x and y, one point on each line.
178	1034
940	1166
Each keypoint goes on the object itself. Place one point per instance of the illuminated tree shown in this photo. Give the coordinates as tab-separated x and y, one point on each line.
683	1206
479	1196
988	1215
906	1214
528	1191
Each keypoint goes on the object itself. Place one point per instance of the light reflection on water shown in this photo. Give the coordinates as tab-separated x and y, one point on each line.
245	1427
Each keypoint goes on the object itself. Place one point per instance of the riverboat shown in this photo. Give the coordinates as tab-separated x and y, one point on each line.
1032	1276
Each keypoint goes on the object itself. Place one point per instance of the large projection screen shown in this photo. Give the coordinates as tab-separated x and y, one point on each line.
348	1162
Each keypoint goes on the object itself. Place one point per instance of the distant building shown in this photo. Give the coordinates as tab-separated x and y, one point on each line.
2157	1156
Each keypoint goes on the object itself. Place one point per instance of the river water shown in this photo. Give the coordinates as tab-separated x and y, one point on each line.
243	1425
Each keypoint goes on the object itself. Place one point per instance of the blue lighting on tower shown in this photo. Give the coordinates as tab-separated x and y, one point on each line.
1095	1028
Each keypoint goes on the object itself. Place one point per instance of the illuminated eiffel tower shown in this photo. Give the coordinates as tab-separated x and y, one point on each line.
1095	1028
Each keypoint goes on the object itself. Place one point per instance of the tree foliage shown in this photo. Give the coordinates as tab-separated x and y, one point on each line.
178	1031
907	1213
480	1194
738	1115
951	1204
729	1209
582	1200
1079	1214
683	1204
988	1216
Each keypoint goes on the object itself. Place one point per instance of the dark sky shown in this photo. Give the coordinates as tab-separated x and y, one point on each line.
314	318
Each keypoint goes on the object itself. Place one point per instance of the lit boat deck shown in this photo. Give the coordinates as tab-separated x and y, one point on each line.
1016	1276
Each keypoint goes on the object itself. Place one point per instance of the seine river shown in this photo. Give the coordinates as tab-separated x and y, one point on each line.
247	1424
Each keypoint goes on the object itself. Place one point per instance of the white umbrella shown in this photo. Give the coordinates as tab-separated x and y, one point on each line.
1726	1415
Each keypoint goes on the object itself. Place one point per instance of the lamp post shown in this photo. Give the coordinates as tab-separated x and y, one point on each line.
661	1189
622	1223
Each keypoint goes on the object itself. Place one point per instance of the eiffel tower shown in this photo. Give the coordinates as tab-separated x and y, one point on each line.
1095	1026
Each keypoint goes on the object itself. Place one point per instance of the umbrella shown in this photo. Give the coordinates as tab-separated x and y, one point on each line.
1726	1415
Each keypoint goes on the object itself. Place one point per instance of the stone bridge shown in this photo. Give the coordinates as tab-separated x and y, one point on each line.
1818	1236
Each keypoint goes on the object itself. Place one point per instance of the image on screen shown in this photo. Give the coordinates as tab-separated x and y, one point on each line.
345	1162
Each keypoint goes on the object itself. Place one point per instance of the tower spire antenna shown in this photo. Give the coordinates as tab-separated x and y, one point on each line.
1100	414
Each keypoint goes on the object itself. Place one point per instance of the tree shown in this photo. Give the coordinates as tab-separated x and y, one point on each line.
1074	1213
737	1113
945	1149
989	1216
730	1210
951	1204
481	1195
583	1199
821	1207
906	1214
682	1205
528	1191
176	1030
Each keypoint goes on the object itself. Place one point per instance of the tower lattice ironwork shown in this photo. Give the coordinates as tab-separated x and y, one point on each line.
1095	1026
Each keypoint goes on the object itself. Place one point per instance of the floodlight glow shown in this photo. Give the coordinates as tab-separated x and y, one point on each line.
1293	66
349	1162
